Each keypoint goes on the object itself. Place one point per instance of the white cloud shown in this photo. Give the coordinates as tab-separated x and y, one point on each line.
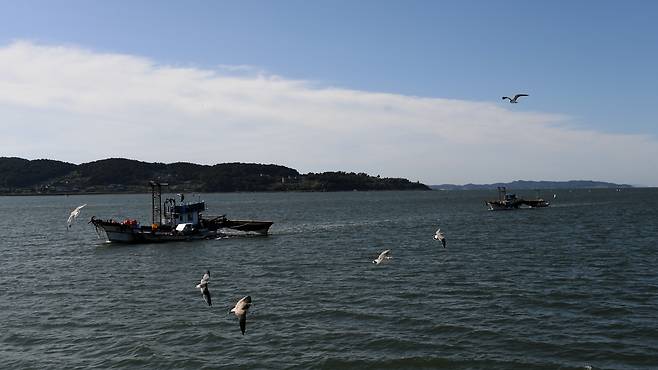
77	105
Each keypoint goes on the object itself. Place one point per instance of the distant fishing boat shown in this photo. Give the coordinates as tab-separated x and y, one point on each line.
175	221
506	202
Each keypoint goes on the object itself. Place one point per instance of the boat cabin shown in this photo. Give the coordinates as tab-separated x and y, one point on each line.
185	213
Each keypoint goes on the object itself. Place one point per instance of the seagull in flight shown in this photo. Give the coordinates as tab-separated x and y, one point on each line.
240	310
74	214
440	237
203	286
513	99
385	255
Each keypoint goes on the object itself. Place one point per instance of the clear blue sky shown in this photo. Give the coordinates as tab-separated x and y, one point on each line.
594	61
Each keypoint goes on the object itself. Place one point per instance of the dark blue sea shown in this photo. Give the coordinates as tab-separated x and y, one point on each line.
571	286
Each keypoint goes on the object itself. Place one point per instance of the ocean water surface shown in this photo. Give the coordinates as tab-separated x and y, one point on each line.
566	287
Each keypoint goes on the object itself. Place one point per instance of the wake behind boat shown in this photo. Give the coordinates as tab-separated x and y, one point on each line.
176	221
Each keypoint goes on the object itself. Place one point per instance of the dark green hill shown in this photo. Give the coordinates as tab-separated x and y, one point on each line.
21	176
343	181
118	171
21	173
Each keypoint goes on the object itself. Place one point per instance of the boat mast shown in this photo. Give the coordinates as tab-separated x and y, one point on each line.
156	209
502	191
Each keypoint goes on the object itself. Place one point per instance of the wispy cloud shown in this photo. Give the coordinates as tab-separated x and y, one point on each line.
77	105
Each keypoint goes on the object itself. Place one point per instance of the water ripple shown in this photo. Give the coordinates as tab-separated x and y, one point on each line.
566	287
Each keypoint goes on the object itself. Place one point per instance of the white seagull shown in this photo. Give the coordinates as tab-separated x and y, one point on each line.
513	99
240	310
440	237
385	255
203	286
74	214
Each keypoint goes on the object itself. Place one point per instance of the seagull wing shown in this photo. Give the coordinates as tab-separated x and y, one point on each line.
240	311
71	217
204	281
74	214
519	95
243	322
206	295
244	303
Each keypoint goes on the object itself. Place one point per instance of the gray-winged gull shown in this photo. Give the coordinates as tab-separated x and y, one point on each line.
440	237
203	286
74	214
385	255
240	310
513	99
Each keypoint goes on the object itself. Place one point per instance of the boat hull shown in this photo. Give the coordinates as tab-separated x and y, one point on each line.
131	233
118	233
503	205
496	205
258	227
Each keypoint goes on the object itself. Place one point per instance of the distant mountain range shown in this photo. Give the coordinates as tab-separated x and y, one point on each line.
532	185
117	175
